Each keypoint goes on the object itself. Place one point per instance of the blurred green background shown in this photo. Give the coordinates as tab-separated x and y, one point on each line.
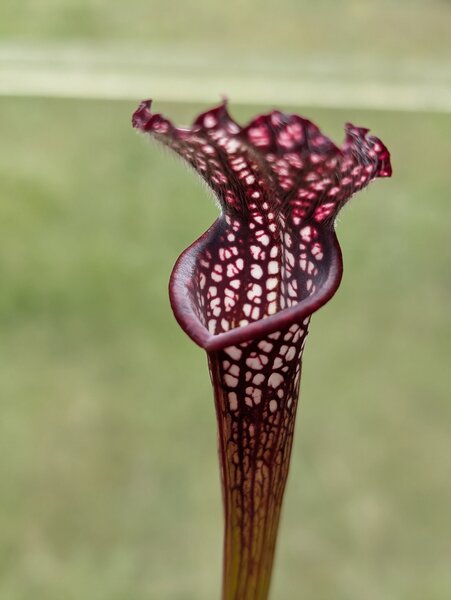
109	479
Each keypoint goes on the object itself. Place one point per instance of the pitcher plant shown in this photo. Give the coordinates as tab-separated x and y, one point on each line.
245	292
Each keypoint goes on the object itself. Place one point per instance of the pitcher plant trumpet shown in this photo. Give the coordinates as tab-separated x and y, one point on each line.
245	292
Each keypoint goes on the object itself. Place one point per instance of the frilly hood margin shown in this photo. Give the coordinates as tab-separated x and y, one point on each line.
274	178
245	292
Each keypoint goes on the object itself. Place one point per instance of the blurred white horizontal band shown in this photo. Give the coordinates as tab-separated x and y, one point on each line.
169	75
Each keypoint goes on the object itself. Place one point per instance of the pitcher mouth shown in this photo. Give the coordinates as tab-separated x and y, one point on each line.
182	277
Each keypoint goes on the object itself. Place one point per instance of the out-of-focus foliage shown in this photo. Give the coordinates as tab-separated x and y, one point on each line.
406	27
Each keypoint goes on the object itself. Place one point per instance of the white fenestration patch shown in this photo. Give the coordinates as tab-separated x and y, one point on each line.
256	271
233	400
275	380
230	381
273	267
234	352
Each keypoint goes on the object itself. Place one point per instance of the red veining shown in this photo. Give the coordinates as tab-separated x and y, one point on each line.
246	289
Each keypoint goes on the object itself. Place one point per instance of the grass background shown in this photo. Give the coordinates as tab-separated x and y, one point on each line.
110	487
